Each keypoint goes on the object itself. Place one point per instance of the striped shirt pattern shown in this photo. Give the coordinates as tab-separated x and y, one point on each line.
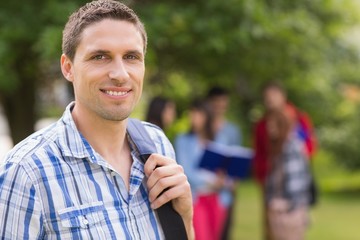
53	185
290	177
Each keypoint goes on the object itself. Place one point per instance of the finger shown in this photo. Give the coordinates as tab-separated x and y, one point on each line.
163	172
165	184
156	160
172	193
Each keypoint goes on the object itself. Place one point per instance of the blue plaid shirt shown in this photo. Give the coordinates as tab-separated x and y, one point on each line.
53	185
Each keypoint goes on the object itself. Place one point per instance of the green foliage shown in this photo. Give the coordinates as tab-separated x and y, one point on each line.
30	43
310	45
240	44
30	33
342	137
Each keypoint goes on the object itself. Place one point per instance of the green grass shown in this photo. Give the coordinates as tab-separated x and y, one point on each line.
332	177
336	217
247	216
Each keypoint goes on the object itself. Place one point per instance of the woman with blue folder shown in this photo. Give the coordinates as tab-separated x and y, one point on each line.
209	212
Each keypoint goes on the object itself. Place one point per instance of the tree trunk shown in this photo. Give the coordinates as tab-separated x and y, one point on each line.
19	103
19	108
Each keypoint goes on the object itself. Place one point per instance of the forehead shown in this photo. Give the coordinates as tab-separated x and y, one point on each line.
273	91
197	111
219	98
110	33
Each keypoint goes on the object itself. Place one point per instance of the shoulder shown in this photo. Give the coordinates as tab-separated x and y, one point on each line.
260	125
155	132
304	118
231	126
37	146
157	135
184	140
185	137
33	144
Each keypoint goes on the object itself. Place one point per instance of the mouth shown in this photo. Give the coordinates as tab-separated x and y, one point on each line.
115	93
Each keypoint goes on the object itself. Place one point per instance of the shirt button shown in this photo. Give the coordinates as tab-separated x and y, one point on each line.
85	221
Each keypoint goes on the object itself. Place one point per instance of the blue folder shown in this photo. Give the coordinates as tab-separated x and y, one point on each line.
234	161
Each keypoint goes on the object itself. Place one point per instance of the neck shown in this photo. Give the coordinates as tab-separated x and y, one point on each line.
202	136
218	123
106	137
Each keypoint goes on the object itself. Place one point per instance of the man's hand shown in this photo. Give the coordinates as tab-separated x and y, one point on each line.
165	174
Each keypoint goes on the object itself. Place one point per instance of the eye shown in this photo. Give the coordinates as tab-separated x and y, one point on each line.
99	57
131	57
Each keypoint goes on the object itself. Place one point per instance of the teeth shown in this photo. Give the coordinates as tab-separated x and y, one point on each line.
113	93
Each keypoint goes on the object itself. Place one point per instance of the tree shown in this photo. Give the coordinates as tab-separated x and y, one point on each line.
241	44
30	35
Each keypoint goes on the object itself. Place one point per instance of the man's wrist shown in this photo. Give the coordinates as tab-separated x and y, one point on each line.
189	228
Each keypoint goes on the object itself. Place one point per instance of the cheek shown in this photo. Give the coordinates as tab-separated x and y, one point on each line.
138	78
137	71
198	121
170	114
84	85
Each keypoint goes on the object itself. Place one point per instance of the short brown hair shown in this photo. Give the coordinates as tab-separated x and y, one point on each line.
93	12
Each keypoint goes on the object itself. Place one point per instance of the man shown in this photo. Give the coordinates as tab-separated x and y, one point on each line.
230	135
226	132
275	100
81	178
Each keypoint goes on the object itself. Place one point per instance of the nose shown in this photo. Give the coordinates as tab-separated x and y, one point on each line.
118	70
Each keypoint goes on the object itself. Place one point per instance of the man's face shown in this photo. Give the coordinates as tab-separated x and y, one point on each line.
197	120
108	70
274	99
219	104
169	114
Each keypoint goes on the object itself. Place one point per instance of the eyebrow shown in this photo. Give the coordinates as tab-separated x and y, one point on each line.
136	52
100	51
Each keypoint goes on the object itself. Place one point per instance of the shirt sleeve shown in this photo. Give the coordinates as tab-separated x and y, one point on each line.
20	209
229	135
236	136
187	157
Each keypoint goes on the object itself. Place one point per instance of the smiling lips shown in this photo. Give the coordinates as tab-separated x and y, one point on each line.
115	93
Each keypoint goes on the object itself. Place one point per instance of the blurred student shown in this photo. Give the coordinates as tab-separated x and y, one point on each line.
269	148
161	112
287	185
209	213
228	134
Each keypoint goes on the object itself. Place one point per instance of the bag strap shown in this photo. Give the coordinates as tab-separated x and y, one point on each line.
170	220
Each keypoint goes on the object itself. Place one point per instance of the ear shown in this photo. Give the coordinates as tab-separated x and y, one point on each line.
67	68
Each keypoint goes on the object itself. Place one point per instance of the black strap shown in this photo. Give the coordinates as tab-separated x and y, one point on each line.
170	220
